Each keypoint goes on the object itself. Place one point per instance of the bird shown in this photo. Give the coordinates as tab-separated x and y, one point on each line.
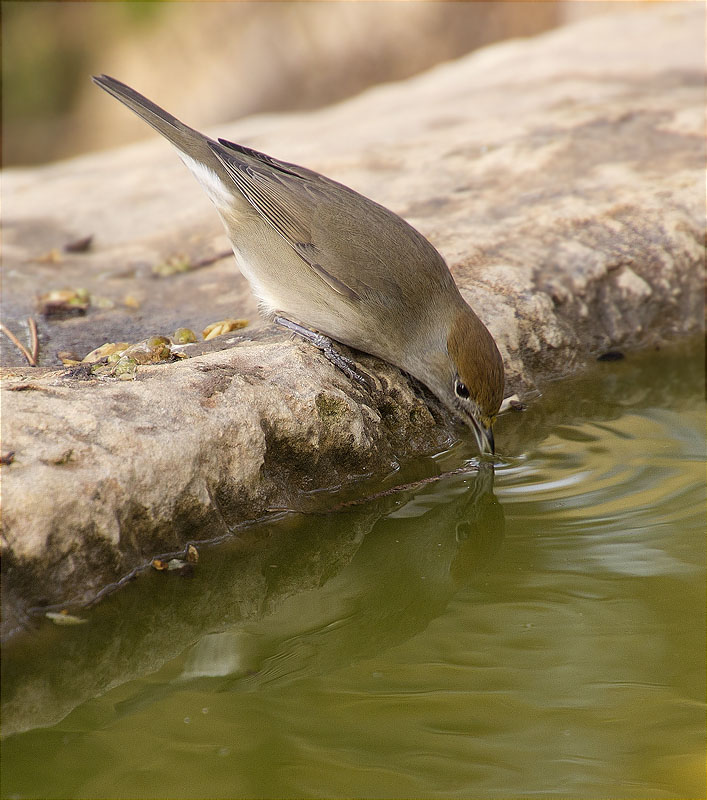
330	264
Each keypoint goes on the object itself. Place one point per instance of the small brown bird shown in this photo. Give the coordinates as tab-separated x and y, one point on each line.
320	255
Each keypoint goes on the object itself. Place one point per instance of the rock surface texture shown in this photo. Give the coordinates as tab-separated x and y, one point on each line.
562	179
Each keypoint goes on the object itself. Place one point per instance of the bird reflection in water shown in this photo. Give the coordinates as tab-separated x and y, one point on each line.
418	548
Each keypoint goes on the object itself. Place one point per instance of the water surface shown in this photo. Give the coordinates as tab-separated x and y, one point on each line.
536	633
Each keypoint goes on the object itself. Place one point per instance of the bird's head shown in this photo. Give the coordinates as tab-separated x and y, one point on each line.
472	381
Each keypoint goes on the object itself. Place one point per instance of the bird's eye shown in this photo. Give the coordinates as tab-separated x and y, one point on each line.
461	390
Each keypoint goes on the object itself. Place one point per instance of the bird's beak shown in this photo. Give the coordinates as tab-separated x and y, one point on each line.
483	436
488	432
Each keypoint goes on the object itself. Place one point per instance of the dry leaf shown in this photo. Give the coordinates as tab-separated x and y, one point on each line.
53	256
79	245
172	266
62	302
64	618
105	350
224	326
184	336
131	301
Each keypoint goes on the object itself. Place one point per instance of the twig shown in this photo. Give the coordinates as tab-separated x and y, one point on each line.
35	339
18	344
207	261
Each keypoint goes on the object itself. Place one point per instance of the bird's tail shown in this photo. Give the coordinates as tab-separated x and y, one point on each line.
186	139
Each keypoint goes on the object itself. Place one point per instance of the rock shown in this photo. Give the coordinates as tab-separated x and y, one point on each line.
561	177
106	473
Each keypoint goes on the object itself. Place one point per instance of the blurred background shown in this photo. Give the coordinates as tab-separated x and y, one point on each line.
213	62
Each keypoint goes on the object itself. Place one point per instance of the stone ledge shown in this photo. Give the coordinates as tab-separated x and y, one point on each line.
561	177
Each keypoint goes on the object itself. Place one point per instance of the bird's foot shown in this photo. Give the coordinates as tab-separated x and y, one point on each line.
326	345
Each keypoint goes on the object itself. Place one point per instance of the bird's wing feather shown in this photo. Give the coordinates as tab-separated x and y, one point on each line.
358	247
286	201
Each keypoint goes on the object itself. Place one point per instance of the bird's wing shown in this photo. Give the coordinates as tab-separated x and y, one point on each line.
287	197
358	247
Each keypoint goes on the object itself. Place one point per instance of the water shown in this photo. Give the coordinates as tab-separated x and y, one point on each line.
540	634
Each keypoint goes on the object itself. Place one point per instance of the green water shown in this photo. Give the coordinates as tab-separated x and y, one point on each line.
540	634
